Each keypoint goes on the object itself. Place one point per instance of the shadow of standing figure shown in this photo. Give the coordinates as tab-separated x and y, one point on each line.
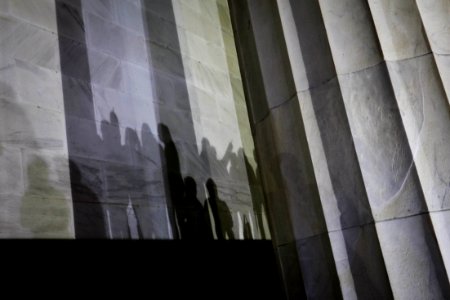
222	219
88	213
248	235
172	170
259	206
190	216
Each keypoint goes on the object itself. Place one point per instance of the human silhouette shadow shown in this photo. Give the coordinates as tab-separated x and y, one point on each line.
174	179
215	167
259	206
222	220
190	215
117	178
247	229
136	185
88	213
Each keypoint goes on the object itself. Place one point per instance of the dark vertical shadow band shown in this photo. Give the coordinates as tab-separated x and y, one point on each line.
88	214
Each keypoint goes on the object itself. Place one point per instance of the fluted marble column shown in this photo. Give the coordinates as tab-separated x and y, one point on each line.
423	104
375	121
350	223
299	226
413	259
435	15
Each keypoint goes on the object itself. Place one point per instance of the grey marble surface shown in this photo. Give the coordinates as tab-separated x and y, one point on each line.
318	268
265	23
435	17
409	245
351	34
389	172
399	29
425	113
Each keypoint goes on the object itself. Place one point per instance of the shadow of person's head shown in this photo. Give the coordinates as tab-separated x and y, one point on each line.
75	172
111	131
211	187
190	187
132	139
164	133
205	144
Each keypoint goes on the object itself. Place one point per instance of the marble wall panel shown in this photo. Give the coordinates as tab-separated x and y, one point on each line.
162	8
39	86
166	60
74	60
136	80
171	91
105	70
70	20
33	139
160	30
129	15
196	23
28	43
207	78
11	179
10	219
102	8
203	51
30	126
115	40
46	207
41	13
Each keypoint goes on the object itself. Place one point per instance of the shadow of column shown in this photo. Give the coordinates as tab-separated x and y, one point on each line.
170	91
85	173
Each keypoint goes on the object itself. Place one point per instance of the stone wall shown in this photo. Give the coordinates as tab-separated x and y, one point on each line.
115	115
35	183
